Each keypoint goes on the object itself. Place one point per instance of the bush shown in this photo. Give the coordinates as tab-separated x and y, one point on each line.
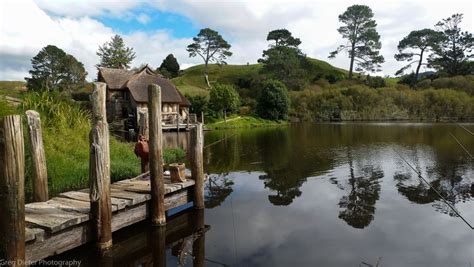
273	102
224	99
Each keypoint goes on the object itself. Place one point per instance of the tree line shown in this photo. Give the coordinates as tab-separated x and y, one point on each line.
285	68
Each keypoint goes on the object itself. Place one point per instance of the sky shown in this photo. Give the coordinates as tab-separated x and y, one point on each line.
156	28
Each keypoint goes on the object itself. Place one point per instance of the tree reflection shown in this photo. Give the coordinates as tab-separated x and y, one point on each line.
218	188
358	206
287	187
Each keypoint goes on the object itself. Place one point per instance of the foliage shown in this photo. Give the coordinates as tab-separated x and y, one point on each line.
224	99
375	82
284	61
364	41
211	47
199	104
169	67
455	49
53	70
273	102
359	102
416	44
115	54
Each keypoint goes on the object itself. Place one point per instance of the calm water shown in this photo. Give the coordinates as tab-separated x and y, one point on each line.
335	195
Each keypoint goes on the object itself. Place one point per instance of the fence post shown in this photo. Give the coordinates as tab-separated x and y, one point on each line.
99	171
197	169
39	172
156	156
12	191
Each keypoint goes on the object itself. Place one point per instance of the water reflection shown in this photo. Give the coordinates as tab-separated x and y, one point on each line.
218	188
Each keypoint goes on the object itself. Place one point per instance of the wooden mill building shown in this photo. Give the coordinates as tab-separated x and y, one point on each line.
127	94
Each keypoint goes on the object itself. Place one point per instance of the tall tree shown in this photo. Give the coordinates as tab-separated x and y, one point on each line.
283	60
416	45
211	47
115	54
169	67
453	53
54	69
363	40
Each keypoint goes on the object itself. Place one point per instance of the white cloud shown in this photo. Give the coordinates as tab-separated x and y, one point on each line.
143	18
26	27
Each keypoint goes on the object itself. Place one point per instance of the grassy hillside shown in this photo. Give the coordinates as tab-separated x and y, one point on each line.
12	88
191	81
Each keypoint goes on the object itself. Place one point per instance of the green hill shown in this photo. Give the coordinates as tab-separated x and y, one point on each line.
191	81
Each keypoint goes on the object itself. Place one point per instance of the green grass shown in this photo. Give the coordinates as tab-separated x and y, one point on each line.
244	122
12	88
191	81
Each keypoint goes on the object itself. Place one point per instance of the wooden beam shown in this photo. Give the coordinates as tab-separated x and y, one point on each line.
99	171
39	170
197	169
158	216
12	191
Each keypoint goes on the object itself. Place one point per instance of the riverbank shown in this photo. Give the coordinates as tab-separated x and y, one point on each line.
244	122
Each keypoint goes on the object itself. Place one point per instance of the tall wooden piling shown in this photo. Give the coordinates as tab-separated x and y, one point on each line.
39	172
99	171
197	169
157	213
158	245
12	191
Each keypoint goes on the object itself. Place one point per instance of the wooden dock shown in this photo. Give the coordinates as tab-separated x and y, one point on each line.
48	227
63	223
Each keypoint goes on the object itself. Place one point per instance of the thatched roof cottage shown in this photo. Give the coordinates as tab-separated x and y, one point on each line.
127	93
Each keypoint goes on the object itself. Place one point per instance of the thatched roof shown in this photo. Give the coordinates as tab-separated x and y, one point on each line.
137	83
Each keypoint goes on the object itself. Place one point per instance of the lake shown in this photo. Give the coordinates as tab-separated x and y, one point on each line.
330	194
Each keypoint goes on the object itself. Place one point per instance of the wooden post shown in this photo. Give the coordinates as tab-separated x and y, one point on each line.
197	169
12	191
187	120
156	156
177	121
39	172
143	124
99	171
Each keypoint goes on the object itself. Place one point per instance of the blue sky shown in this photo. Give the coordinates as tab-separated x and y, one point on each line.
156	28
149	19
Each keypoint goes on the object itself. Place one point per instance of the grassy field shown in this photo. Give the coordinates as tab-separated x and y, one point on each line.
12	88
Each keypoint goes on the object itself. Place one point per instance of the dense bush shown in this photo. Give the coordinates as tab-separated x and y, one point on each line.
360	102
273	102
224	99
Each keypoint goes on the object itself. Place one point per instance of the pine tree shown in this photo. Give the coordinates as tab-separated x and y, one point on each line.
169	67
115	54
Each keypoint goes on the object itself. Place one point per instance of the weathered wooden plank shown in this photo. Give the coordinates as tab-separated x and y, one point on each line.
36	234
58	243
83	195
131	197
50	218
70	204
133	188
129	217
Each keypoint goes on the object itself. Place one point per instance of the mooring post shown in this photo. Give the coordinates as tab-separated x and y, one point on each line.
12	191
39	172
99	171
158	216
143	124
197	169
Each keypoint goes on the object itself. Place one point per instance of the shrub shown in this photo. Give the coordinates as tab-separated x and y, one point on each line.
273	102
